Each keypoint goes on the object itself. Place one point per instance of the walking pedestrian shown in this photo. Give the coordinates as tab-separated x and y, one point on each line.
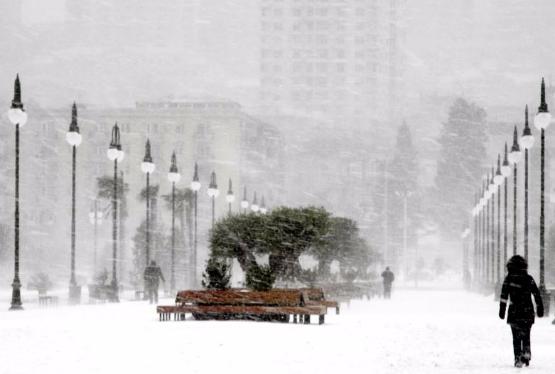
152	277
518	289
388	278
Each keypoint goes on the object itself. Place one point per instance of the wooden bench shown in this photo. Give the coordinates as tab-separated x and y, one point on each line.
345	292
275	305
315	296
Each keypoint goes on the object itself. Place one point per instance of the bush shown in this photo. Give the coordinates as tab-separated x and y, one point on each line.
260	278
217	275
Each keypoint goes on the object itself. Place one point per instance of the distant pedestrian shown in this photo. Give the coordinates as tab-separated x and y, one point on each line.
518	289
152	277
388	278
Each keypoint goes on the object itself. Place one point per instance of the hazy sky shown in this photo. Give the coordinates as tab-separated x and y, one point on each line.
493	51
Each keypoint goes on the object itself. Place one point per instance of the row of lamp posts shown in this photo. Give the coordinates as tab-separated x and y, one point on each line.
487	236
18	117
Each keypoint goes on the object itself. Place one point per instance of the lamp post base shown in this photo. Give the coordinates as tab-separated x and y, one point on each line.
74	294
114	297
16	303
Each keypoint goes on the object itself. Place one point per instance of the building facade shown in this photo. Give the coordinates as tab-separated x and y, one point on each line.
336	60
219	136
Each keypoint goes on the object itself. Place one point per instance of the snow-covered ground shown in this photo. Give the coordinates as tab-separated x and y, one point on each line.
415	332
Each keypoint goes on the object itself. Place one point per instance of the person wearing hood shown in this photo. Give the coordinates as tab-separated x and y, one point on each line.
518	289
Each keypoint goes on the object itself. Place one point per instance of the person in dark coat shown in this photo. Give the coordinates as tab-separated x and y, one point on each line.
388	278
518	289
152	277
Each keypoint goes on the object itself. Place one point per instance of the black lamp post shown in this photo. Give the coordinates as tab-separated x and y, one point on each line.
116	155
245	201
95	218
475	218
542	121
254	206
514	158
213	193
74	139
230	197
506	171
264	210
527	142
465	244
488	235
173	177
493	189
485	225
147	167
480	212
195	186
17	117
498	179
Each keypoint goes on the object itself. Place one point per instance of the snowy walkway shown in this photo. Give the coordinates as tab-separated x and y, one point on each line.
416	332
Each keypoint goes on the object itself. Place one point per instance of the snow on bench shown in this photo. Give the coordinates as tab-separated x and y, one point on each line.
274	305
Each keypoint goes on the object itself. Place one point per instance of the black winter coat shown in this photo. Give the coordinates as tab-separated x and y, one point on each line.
518	289
152	276
388	277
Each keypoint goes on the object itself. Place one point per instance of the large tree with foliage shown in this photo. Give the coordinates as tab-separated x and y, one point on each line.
340	241
283	235
460	165
240	237
290	233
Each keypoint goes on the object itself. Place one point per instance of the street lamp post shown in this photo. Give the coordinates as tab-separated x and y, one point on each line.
506	171
514	158
493	189
18	117
527	142
115	154
230	197
465	241
74	139
95	218
476	233
173	177
213	193
254	206
245	201
195	187
263	208
498	179
542	121
147	167
487	232
485	220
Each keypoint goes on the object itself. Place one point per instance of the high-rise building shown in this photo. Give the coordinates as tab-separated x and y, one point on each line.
334	60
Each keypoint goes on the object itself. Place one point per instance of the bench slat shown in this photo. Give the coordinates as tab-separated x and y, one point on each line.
240	297
238	309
